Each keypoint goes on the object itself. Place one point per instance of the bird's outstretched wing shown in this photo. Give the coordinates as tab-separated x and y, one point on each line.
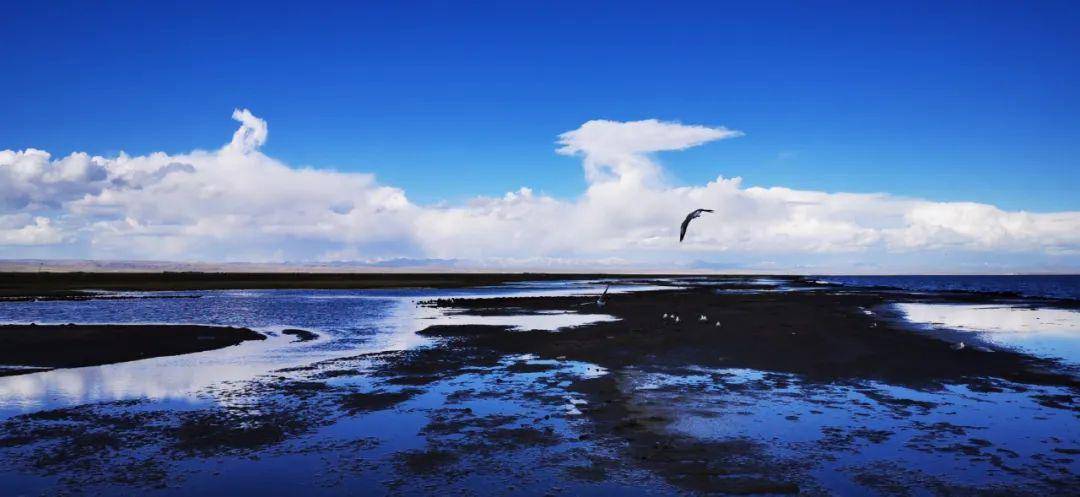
602	295
686	222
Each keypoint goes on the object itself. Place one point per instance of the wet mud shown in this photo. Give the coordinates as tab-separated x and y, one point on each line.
610	408
34	346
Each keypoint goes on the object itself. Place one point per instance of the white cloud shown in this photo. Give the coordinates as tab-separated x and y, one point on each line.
20	229
250	136
236	203
30	180
615	150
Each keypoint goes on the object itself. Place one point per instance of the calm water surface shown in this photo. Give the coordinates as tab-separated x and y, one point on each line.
1047	286
349	322
1045	332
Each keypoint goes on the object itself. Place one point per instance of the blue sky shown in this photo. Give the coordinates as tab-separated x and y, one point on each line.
828	136
972	101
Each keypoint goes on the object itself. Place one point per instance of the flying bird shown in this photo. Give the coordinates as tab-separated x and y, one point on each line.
600	301
686	222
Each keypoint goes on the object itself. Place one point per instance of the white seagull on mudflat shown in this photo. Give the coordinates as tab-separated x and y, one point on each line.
686	222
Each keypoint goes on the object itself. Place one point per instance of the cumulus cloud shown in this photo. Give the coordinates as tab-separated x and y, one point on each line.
615	150
21	229
30	180
232	203
236	203
250	136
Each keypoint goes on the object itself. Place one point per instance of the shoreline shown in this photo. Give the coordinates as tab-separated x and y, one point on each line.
30	286
81	286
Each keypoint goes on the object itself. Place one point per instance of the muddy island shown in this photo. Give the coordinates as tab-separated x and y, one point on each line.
31	347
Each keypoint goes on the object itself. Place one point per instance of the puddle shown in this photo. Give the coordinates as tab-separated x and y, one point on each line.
950	434
542	321
1046	332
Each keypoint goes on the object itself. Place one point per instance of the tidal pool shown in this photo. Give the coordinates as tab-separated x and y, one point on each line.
1042	331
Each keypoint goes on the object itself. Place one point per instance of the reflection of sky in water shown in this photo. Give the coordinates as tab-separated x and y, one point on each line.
349	322
545	321
836	427
1042	331
326	472
844	426
762	285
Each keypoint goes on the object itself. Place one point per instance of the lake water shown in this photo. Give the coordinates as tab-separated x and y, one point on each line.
349	322
1046	286
848	436
1045	332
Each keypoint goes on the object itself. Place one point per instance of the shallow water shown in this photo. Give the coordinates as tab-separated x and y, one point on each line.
953	435
348	322
851	437
542	321
1041	331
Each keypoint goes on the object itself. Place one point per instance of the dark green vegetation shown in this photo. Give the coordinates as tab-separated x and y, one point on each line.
73	285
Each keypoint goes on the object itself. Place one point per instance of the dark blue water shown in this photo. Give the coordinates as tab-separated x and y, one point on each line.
1046	286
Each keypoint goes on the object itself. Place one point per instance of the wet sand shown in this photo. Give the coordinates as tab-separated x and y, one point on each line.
35	347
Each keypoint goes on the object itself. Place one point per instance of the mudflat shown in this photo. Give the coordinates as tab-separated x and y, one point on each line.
821	335
816	339
70	345
798	388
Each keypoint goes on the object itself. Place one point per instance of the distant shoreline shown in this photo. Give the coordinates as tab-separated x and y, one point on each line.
75	285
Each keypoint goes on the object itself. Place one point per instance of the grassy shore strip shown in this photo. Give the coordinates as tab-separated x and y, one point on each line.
72	285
